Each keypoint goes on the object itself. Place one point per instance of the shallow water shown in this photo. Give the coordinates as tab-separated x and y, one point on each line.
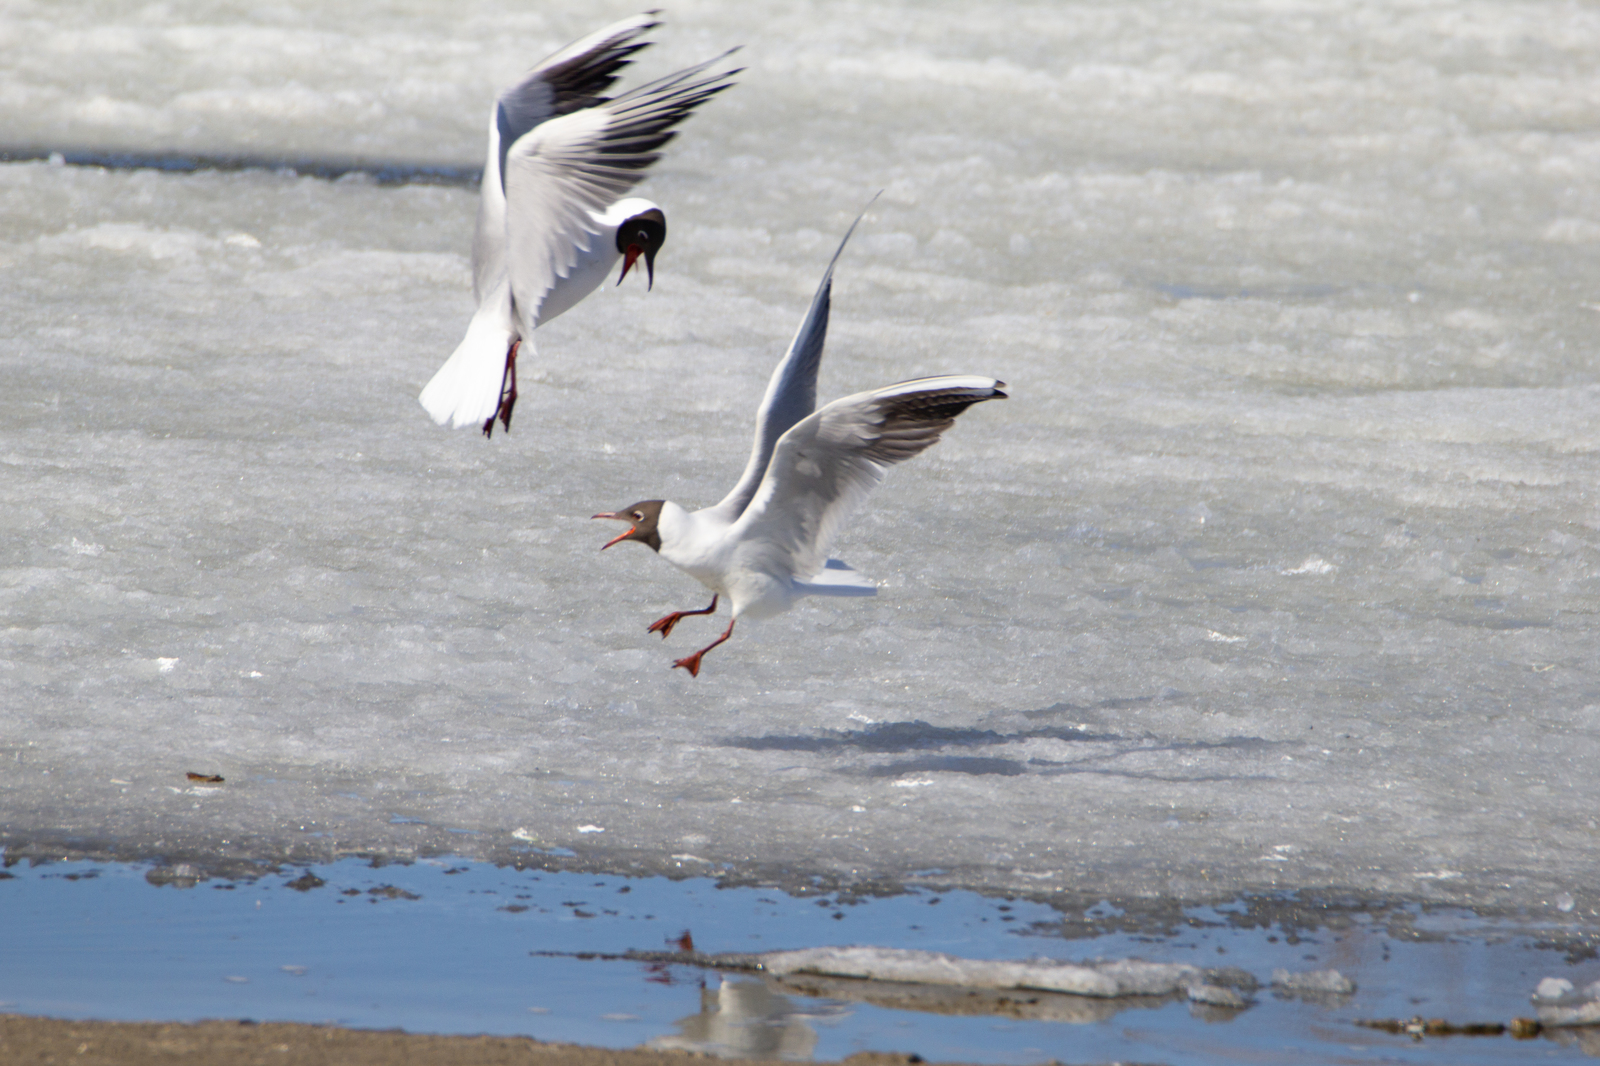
1276	574
458	947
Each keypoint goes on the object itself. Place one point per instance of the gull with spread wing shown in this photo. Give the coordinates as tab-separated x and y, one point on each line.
765	544
553	218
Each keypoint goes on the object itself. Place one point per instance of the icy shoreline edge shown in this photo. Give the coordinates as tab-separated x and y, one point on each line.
183	863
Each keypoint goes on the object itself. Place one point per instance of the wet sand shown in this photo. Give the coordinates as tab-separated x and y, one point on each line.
25	1040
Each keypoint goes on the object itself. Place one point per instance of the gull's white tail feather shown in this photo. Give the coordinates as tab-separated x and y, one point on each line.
836	579
466	390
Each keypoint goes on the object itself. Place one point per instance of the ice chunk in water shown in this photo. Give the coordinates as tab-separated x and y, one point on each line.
1554	990
1122	977
1326	981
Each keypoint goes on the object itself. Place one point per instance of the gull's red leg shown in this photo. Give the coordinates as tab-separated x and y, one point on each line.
510	399
664	625
508	392
692	663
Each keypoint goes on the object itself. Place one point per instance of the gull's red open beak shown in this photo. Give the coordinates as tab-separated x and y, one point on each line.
618	539
634	252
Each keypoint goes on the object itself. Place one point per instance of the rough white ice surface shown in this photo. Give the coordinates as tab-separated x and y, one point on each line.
1124	977
1278	570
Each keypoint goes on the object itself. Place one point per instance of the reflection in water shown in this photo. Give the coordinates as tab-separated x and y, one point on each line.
745	1018
749	1017
1585	1038
1020	1004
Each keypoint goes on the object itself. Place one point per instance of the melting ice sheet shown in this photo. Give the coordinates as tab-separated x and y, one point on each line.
1277	571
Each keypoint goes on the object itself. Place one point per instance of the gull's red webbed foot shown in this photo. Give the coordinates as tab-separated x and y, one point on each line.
508	393
692	663
664	625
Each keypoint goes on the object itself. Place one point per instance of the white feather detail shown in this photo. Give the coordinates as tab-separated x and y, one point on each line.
466	390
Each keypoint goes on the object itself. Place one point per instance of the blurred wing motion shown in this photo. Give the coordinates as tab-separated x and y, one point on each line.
570	80
565	171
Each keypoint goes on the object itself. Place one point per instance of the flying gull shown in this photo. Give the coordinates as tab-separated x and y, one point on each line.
553	217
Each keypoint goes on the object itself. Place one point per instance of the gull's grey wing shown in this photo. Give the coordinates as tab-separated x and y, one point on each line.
569	80
582	162
792	390
829	461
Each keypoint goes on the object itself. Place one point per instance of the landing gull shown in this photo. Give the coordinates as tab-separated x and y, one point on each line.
765	544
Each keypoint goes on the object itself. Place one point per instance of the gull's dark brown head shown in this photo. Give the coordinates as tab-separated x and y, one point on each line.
644	518
643	234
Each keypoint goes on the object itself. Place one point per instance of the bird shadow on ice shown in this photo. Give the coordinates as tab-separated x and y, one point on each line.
893	737
934	744
896	738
